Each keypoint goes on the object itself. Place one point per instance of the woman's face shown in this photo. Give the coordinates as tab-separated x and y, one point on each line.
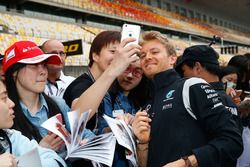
32	78
6	109
230	79
106	55
131	77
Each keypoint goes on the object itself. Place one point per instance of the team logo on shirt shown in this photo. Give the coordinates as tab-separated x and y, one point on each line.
169	95
167	106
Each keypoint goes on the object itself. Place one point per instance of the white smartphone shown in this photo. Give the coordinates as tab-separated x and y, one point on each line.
131	31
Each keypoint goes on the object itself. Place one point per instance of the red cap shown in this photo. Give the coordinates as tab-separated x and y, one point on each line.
27	52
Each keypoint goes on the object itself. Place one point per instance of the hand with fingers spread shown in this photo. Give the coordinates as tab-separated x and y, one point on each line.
51	141
7	160
124	56
141	127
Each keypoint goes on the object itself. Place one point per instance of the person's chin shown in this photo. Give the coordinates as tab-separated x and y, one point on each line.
149	75
9	124
40	89
127	89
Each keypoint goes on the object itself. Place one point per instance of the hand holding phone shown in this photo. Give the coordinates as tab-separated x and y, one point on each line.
238	93
131	31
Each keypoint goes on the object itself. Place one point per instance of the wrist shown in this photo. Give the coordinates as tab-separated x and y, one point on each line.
187	161
141	142
111	73
142	146
190	161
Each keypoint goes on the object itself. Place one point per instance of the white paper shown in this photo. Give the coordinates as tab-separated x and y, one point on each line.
100	149
124	137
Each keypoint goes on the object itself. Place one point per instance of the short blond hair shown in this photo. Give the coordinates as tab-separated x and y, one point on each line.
156	35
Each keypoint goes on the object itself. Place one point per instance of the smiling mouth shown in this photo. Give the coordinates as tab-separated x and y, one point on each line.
149	65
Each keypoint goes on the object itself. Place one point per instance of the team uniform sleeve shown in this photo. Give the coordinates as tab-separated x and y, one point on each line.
225	142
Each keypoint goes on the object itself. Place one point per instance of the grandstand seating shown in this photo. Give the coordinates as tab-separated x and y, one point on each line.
8	39
43	28
21	27
37	30
143	13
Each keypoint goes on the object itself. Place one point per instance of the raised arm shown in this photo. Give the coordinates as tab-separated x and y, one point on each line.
93	96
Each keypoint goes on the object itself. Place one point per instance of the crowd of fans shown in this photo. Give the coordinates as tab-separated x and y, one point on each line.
183	111
199	114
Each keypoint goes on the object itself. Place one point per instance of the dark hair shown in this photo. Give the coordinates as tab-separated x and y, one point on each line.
189	63
247	55
101	40
242	63
228	70
139	95
178	68
21	122
213	69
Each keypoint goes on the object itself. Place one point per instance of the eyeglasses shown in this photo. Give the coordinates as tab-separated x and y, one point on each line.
62	54
134	71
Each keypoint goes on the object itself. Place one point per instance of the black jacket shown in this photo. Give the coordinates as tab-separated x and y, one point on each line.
75	89
206	130
225	98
